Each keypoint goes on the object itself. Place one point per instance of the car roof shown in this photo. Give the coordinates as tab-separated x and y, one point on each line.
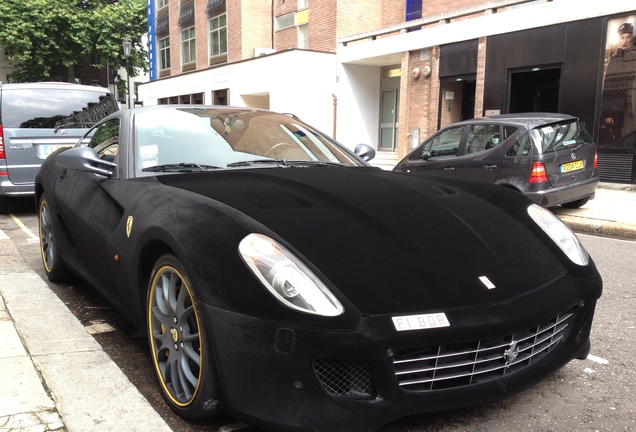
529	120
52	85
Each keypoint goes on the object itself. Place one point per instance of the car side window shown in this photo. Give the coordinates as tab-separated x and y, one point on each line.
482	137
445	143
105	140
508	131
522	147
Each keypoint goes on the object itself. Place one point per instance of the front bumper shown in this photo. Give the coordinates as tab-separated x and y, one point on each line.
293	378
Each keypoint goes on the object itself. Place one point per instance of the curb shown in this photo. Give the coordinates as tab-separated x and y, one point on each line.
605	228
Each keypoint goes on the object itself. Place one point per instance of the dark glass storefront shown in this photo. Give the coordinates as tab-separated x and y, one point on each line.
580	68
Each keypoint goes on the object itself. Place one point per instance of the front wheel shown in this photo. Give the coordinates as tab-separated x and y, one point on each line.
55	269
179	343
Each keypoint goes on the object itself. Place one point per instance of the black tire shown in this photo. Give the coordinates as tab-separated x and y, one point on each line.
576	204
55	269
179	343
4	205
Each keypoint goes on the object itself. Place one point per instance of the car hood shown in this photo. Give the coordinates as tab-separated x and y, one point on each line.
391	243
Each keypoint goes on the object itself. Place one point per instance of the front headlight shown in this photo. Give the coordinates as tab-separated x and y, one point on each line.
286	277
560	233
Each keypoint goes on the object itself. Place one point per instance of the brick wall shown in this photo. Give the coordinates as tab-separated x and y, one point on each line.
201	29
394	12
235	31
256	25
357	17
419	98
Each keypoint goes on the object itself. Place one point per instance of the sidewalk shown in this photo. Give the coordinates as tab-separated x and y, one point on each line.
53	370
55	376
612	213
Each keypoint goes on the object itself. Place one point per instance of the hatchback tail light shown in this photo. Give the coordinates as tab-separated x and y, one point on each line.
538	174
2	156
595	158
3	172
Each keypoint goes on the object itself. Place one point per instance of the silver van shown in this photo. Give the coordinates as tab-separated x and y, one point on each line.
38	118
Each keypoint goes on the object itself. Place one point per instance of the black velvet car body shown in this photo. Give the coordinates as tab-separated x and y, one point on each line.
295	265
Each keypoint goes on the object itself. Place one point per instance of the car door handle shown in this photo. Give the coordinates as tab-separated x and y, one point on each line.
449	169
63	173
490	167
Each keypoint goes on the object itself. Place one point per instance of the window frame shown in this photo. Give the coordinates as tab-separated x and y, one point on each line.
219	33
188	46
303	36
163	47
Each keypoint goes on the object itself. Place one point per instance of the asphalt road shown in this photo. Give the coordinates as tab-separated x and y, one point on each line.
597	394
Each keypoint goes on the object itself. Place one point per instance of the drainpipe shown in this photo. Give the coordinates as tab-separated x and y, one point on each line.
335	110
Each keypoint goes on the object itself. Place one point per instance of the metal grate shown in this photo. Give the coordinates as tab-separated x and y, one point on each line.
616	167
455	365
345	378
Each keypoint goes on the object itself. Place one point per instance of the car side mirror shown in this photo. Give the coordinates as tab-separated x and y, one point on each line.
366	152
426	155
85	159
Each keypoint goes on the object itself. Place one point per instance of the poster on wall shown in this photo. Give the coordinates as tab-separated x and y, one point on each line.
618	104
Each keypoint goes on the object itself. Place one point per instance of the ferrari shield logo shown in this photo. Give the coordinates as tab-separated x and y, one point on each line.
129	224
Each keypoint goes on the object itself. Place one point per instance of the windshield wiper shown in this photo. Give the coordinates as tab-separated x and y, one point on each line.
282	162
180	167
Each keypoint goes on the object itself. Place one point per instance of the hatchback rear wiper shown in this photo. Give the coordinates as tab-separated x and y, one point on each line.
75	125
179	167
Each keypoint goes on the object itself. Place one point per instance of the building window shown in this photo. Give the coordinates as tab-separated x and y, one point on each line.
162	3
413	9
285	21
303	36
220	97
188	46
218	35
303	4
164	53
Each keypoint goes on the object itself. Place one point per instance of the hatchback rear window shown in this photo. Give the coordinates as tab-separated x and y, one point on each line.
559	136
45	108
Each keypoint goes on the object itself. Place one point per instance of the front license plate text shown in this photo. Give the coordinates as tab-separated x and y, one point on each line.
421	322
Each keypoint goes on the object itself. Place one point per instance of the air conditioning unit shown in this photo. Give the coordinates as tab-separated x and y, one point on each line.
260	52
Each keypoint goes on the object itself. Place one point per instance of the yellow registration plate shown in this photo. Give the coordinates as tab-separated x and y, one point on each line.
572	166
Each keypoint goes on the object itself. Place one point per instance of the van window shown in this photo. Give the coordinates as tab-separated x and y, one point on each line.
46	108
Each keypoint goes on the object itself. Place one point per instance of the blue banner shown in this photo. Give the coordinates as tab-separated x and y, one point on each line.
152	43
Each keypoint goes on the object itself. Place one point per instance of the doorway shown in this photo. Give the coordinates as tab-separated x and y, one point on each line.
389	108
535	90
457	101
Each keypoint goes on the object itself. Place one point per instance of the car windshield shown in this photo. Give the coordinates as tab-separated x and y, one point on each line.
212	138
559	136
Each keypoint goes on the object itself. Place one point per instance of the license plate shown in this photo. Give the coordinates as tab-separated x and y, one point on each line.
421	322
572	166
48	149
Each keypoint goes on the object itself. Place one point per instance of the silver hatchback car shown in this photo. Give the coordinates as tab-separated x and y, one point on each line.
38	118
549	157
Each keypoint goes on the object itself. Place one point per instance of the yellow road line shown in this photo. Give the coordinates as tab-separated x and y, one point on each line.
23	227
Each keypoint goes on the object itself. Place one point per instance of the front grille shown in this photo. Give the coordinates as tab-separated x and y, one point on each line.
455	365
345	378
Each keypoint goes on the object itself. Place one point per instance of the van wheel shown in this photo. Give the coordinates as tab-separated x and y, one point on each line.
576	204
